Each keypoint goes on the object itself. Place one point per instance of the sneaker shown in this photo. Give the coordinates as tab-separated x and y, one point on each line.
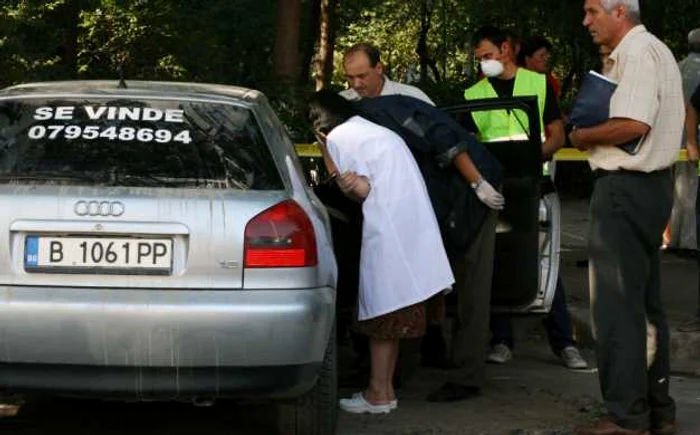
358	405
500	354
572	359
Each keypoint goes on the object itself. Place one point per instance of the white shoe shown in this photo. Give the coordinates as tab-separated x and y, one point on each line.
499	354
572	359
358	405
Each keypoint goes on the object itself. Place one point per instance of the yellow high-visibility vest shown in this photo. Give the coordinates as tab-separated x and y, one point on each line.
501	125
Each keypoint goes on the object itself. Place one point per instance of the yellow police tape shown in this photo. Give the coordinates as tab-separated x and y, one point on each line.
563	155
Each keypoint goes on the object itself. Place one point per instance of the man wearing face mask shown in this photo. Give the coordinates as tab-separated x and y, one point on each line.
503	78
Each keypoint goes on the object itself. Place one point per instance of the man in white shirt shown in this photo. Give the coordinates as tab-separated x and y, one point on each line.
364	72
630	205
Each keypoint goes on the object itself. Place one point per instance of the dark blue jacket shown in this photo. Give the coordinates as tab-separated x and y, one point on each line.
435	139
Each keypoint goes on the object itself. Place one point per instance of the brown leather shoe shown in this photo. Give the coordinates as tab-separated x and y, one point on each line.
664	427
606	426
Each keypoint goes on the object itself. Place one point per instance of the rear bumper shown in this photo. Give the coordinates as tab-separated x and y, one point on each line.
127	341
147	383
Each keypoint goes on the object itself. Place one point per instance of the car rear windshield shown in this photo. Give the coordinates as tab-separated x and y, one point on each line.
127	142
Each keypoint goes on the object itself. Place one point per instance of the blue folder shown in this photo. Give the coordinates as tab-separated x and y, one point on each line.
592	106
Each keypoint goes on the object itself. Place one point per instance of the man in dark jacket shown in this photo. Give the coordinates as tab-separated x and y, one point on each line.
460	175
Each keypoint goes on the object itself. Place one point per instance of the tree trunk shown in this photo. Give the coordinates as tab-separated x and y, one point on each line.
286	54
426	61
71	17
326	44
309	43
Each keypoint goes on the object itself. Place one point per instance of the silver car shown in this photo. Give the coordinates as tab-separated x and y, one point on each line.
158	241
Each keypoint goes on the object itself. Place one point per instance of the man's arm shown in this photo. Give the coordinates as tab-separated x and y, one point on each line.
610	133
552	119
466	167
556	138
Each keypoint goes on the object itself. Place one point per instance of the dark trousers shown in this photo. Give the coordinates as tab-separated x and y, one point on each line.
557	323
697	239
628	213
473	272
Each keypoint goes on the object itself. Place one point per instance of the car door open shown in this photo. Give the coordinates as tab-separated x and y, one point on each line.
526	259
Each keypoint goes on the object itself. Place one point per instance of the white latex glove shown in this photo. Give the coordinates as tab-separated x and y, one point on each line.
488	195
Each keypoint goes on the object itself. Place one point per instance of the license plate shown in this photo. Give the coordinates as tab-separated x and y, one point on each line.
121	255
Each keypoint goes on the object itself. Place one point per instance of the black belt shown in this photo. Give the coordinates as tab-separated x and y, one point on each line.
600	173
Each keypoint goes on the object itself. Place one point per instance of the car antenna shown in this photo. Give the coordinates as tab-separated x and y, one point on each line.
120	69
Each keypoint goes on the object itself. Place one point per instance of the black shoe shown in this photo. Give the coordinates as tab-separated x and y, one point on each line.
664	427
451	392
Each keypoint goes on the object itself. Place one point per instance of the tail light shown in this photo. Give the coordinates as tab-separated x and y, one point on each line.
281	236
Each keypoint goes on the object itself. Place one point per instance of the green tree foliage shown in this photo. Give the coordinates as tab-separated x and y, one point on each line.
231	41
394	27
217	40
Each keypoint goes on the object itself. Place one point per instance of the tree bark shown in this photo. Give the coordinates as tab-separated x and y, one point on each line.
326	44
426	61
71	18
286	56
309	43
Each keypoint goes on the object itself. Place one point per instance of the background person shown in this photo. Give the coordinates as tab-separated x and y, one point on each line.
505	79
680	234
365	75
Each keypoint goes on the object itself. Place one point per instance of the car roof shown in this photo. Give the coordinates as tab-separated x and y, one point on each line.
136	87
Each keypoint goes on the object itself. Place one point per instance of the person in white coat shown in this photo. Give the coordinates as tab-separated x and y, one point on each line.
402	260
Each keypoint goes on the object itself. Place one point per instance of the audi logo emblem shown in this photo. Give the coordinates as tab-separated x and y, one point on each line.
99	208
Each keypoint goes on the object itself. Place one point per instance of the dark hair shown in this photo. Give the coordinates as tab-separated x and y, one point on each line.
327	110
368	49
489	33
531	45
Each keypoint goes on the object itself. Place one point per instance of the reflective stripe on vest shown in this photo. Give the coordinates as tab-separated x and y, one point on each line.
500	125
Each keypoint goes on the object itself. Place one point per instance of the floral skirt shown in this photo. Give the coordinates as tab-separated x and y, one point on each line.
407	322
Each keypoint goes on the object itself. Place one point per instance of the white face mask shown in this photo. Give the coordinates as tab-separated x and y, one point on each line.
492	68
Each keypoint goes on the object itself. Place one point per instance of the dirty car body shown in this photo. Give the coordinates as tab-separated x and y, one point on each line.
158	242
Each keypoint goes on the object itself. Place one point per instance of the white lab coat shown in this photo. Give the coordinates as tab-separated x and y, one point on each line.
402	260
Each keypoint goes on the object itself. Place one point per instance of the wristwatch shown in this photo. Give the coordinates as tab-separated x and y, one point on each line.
475	185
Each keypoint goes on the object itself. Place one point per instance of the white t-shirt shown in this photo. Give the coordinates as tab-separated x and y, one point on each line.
391	88
402	259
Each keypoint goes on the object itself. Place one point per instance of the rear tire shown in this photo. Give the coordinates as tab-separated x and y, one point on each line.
316	412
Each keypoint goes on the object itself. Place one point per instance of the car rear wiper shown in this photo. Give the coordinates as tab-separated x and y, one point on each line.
151	179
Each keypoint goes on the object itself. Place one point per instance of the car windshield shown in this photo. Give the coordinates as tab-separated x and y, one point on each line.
127	142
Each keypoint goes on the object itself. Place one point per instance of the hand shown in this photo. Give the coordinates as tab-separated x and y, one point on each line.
354	185
576	137
488	195
693	151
